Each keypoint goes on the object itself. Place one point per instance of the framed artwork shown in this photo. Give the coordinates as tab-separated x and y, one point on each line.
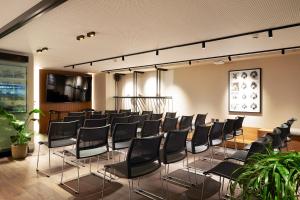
245	90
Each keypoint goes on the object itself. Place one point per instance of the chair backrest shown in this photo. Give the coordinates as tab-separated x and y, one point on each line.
134	113
216	131
169	124
80	119
123	132
127	111
88	110
61	131
186	122
97	113
170	115
229	127
150	128
90	140
143	151
98	116
142	119
155	116
276	138
148	113
118	120
175	142
200	136
108	112
257	147
134	118
115	115
200	119
95	122
284	132
76	113
239	123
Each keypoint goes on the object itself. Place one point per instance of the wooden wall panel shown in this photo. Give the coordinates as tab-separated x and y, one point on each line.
45	106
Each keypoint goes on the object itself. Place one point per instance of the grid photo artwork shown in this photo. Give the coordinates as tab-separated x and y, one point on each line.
245	90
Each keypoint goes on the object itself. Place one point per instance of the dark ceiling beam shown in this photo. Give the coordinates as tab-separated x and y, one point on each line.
35	11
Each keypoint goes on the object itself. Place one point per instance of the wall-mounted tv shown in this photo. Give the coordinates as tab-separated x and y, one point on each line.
13	82
68	88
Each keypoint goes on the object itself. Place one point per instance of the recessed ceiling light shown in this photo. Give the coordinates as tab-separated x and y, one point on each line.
80	37
219	62
91	34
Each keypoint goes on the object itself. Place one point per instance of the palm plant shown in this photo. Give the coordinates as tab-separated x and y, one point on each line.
271	176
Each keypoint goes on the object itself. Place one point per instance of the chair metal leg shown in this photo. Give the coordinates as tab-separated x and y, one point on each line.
38	159
49	157
220	188
103	183
235	145
195	170
62	170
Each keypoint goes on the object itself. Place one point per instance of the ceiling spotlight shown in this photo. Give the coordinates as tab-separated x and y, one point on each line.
129	69
80	37
123	58
157	52
91	63
39	50
270	33
190	62
91	34
282	51
203	45
155	66
73	66
229	58
45	49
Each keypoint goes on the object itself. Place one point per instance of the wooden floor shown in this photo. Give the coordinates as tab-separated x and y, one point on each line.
19	180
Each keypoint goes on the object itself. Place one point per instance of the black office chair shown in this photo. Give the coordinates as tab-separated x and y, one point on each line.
216	136
148	113
156	116
122	135
126	111
91	142
79	118
238	130
199	143
97	112
200	119
285	130
186	122
108	112
228	133
142	159
174	150
95	122
115	115
60	134
289	123
118	120
98	116
76	114
150	128
169	124
230	170
170	115
134	113
142	119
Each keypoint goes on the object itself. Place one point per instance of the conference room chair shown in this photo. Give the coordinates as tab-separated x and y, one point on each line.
108	112
122	135
228	133
216	136
230	170
148	113
98	116
198	144
200	120
134	113
150	128
174	150
142	159
142	119
114	115
79	118
127	111
186	122
238	130
76	113
116	120
169	124
91	142
156	116
60	134
285	131
170	115
289	123
95	122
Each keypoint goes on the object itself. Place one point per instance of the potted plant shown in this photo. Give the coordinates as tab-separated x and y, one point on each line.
272	176
19	146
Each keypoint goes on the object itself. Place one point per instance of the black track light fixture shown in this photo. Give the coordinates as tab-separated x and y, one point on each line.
229	58
190	62
157	52
270	33
91	63
45	49
155	66
203	45
91	34
282	51
39	51
80	37
129	69
73	66
123	58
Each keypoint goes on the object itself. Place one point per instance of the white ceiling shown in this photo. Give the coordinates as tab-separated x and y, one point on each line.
128	26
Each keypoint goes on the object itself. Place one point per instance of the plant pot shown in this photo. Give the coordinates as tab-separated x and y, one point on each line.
19	151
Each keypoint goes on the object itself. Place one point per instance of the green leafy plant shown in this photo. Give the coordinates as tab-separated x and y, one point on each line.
23	133
271	176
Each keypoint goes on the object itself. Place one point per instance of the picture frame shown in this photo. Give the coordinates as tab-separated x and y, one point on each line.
244	90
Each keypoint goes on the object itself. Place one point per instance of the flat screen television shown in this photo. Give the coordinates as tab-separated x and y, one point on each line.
68	88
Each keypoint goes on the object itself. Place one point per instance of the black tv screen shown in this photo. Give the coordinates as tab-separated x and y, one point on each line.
64	88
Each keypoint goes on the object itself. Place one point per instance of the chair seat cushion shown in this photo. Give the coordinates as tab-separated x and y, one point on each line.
121	169
172	158
59	143
240	155
216	142
89	152
228	136
226	169
120	145
198	149
239	132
